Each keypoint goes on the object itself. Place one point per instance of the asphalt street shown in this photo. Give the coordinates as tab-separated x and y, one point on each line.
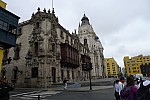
103	94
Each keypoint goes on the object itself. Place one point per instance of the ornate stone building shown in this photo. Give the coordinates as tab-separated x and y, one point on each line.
89	38
46	53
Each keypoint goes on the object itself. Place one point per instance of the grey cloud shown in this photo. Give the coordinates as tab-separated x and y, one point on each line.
122	25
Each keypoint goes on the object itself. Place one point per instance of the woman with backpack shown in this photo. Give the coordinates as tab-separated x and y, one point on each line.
129	91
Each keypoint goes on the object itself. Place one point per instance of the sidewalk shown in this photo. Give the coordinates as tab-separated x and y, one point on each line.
81	89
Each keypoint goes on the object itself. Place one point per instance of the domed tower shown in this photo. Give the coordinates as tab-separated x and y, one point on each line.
89	38
85	20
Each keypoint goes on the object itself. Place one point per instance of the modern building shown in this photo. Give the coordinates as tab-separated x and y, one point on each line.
133	64
112	68
8	33
89	38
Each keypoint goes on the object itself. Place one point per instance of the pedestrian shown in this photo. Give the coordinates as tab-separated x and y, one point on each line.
65	84
121	84
116	87
143	92
5	87
138	80
129	91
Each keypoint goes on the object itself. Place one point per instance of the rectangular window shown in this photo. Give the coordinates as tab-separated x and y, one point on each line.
34	72
36	47
19	31
61	34
68	75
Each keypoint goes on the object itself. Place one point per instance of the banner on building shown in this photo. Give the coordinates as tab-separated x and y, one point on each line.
1	58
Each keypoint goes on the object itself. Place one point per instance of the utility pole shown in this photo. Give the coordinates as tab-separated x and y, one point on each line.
88	67
90	79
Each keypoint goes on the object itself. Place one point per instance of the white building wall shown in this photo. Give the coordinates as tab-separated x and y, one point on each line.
86	31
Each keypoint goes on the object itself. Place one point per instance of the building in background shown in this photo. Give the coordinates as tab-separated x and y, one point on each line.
89	38
123	71
133	64
8	33
112	68
145	69
2	4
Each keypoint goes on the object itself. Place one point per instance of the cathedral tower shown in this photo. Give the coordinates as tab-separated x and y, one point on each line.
89	38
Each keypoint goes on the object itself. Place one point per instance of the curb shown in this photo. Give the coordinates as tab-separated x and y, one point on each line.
80	90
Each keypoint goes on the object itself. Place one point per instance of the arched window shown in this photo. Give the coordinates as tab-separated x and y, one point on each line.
17	52
53	47
37	25
85	41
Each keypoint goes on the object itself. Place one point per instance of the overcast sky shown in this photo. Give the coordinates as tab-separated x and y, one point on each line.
123	26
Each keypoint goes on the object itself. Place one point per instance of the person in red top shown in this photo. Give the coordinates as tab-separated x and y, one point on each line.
121	84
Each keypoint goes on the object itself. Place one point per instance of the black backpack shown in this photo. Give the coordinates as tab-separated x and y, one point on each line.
143	92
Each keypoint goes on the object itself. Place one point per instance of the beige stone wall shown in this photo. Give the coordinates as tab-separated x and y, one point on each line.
21	63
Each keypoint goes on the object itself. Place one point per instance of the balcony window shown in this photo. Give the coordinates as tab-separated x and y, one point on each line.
12	29
3	25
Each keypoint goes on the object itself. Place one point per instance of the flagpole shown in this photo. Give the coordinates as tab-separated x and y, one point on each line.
52	4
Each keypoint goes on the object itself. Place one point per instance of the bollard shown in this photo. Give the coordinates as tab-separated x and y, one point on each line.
38	97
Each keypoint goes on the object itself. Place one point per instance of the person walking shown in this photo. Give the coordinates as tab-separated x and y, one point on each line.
65	84
116	87
129	91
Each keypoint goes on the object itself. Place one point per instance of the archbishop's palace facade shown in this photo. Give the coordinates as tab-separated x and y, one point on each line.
47	53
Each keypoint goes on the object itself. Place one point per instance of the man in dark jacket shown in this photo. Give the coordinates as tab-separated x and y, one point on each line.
5	87
143	92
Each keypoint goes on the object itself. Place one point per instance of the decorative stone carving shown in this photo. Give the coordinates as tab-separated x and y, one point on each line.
42	61
35	62
48	61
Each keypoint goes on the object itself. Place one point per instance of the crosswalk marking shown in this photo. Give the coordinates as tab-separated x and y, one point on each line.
35	94
24	93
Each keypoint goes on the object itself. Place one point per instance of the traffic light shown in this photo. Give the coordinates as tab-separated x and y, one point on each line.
87	66
90	66
84	66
